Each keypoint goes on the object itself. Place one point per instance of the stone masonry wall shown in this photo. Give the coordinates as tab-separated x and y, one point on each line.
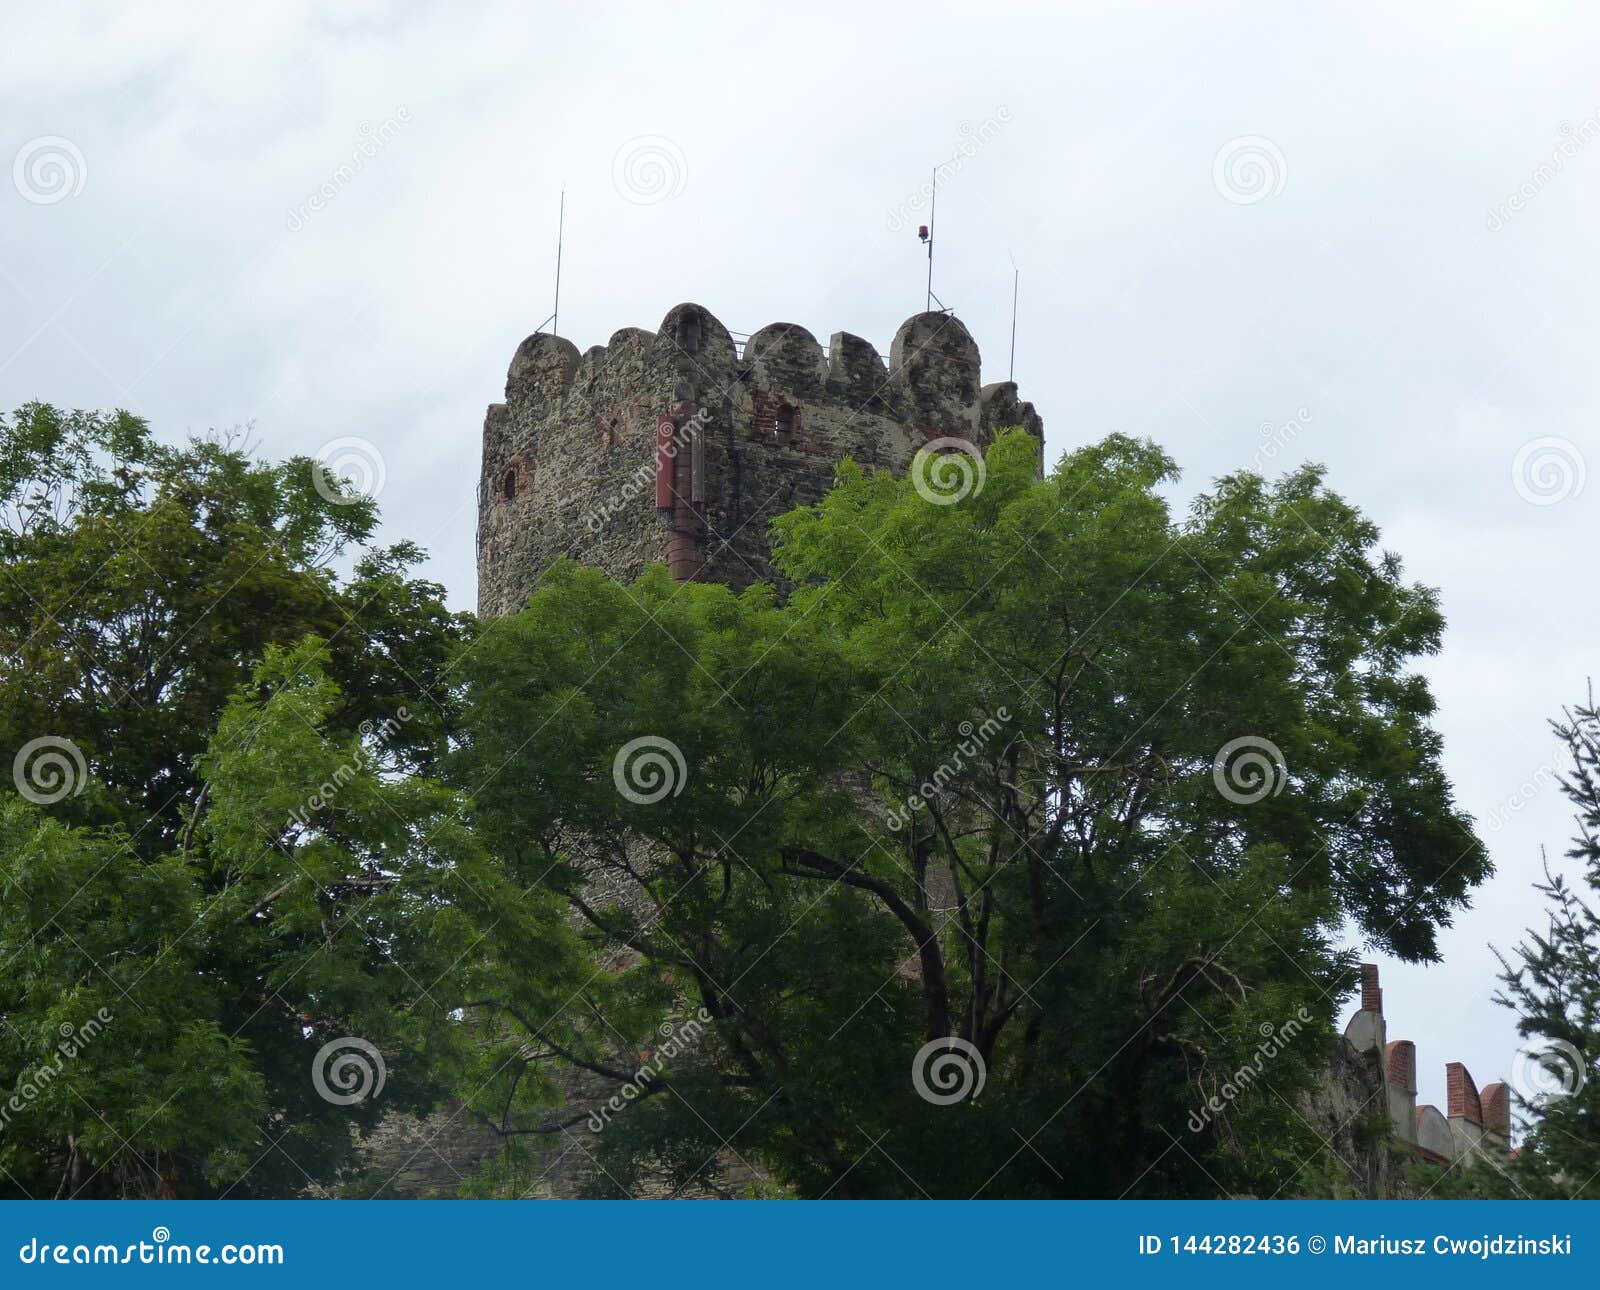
570	458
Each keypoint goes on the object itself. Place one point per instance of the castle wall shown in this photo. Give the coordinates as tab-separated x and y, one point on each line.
571	458
1473	1125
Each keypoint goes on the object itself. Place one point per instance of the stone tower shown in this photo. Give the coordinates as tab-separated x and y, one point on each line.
683	444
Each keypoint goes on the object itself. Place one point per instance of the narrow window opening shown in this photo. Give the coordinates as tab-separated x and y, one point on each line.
783	422
508	484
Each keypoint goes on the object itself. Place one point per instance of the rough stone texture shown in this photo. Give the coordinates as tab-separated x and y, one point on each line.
426	1156
1346	1113
569	459
433	1156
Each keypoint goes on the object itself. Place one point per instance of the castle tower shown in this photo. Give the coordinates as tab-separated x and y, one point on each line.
682	445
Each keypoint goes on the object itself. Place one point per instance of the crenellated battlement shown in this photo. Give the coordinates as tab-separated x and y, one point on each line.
764	418
1471	1124
933	360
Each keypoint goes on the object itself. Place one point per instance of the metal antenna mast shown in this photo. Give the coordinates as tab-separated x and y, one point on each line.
1016	279
561	231
925	232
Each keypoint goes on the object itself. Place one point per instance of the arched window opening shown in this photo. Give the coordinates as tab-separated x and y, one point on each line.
783	422
508	484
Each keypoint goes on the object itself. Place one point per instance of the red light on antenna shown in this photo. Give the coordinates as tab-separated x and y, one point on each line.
922	231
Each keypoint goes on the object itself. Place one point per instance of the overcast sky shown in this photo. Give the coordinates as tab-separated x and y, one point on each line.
1260	234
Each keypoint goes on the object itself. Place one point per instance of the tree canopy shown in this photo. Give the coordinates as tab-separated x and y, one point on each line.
218	831
1552	981
1046	783
1003	851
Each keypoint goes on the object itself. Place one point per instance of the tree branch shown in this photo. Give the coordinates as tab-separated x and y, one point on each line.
935	989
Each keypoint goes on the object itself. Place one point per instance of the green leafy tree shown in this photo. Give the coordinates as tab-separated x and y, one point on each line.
1553	983
219	827
1044	788
111	1047
143	582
